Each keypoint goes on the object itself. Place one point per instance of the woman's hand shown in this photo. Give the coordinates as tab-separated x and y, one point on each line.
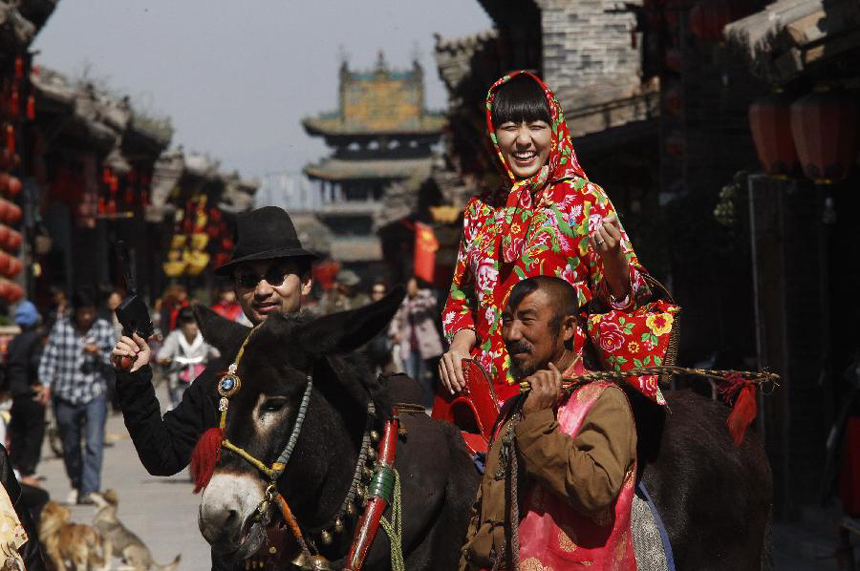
606	241
130	354
451	364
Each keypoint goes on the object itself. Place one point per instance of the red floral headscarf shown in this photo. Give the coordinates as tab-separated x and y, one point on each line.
522	195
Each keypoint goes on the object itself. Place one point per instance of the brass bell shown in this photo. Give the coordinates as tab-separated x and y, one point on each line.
273	550
325	536
350	509
338	525
374	436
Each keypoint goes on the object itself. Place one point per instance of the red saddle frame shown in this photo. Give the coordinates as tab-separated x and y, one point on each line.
473	410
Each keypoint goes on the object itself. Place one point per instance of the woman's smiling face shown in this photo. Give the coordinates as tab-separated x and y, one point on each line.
524	146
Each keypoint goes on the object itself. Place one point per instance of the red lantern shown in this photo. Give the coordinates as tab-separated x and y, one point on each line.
5	288
14	103
15	267
675	145
16	293
4	209
19	67
10	139
4	233
13	240
672	100
770	123
5	263
709	17
673	59
114	184
13	186
31	108
13	213
824	128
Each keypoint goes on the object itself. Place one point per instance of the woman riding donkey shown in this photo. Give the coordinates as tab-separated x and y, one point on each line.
546	219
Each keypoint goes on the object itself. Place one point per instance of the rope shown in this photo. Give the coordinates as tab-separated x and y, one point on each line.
515	512
394	528
755	377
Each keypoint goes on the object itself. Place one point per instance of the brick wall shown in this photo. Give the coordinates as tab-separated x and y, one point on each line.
588	43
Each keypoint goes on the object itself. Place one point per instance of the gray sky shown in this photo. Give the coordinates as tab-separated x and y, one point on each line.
236	77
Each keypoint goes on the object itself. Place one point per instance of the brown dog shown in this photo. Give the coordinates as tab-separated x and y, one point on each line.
126	545
72	546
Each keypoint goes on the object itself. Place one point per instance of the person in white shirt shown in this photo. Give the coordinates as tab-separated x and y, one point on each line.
185	354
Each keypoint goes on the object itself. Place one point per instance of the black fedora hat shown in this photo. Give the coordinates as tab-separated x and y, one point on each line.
264	234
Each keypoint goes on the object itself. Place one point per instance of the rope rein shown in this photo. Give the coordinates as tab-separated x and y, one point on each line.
394	528
754	377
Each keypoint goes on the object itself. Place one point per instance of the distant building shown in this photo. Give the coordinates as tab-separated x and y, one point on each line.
381	135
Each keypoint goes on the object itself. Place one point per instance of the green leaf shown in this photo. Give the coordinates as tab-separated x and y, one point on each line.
638	363
645	337
647	360
657	360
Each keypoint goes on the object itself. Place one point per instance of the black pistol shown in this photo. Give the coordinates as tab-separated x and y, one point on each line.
132	313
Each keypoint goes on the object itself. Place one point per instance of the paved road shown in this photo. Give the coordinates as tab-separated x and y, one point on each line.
162	511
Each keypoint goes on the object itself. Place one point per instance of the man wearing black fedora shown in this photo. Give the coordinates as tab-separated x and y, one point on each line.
270	271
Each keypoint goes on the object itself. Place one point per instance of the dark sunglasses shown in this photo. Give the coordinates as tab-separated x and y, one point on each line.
274	276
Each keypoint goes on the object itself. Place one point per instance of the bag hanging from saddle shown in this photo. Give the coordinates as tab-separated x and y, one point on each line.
646	336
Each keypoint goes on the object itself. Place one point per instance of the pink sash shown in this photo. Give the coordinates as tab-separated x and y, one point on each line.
554	536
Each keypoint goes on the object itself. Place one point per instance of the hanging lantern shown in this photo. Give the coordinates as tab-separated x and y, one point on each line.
14	103
10	139
19	67
13	213
13	240
13	186
709	17
106	176
770	123
672	59
31	108
824	129
672	100
5	263
114	184
16	293
4	288
15	267
675	145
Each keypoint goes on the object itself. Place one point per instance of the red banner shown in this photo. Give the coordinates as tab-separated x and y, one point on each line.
426	246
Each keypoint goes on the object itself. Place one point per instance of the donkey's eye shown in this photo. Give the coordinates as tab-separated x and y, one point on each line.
274	404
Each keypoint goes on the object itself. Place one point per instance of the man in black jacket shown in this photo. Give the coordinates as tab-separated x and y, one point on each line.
27	427
270	272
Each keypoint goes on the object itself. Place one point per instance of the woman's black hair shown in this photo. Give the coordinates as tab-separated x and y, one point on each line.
186	315
520	100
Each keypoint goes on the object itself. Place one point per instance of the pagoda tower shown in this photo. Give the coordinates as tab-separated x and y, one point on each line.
380	134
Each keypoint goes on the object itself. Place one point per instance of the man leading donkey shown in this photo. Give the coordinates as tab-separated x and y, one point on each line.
559	479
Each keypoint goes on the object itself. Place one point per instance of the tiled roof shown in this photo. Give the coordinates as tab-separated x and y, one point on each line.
340	169
788	36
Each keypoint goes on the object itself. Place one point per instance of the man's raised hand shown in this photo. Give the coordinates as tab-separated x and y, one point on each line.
545	389
130	353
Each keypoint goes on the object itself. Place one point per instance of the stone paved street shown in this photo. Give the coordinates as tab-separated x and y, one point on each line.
161	511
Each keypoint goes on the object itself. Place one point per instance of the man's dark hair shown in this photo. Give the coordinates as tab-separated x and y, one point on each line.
520	100
562	296
83	297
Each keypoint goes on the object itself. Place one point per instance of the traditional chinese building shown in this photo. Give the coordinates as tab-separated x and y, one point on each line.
381	137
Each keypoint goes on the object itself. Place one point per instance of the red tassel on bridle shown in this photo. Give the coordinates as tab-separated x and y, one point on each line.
205	456
744	410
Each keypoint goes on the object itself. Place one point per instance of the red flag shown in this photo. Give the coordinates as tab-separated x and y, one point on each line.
426	246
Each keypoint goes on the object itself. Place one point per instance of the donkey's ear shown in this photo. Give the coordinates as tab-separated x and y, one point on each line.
348	330
223	334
